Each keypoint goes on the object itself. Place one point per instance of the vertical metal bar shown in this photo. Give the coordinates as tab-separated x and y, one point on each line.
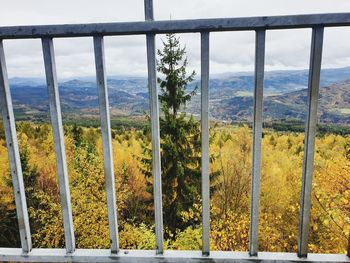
149	15
205	142
56	121
257	134
107	141
309	144
154	109
13	153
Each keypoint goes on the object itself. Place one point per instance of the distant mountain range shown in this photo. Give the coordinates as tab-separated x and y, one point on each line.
230	96
334	105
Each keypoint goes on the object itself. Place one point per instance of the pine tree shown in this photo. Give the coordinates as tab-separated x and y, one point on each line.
180	135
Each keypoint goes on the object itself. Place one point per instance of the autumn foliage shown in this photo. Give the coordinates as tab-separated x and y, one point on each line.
231	150
230	181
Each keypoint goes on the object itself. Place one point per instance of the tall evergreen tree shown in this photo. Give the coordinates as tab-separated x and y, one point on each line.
180	135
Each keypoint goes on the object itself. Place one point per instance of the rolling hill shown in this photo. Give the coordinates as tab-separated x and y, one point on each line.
230	96
333	107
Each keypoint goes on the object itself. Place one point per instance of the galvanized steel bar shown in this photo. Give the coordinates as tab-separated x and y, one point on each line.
257	135
148	6
58	135
155	130
177	26
156	162
101	79
147	256
309	144
205	142
14	157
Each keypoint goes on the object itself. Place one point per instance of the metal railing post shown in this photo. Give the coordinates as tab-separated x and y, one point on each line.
14	157
58	135
309	144
257	135
205	142
155	130
101	80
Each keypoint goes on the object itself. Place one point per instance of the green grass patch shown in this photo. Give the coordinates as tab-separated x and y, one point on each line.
344	110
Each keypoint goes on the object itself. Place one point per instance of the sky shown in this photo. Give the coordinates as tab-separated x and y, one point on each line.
126	55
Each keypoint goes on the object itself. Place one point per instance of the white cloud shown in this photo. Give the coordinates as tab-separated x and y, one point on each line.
126	55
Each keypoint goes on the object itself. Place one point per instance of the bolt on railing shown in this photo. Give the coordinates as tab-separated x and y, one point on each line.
150	28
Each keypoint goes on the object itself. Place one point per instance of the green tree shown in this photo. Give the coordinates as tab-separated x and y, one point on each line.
77	134
180	135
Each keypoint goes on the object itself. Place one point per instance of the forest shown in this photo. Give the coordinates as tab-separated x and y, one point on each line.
230	168
180	133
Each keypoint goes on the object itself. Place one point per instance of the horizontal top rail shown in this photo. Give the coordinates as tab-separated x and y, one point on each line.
176	26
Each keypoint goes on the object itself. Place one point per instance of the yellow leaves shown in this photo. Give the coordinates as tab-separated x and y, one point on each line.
136	237
230	231
232	160
189	239
193	214
312	248
292	208
22	139
346	230
4	164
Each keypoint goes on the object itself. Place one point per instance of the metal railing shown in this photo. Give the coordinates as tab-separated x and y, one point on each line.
150	28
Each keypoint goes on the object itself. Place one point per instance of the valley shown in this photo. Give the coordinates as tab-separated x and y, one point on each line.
231	97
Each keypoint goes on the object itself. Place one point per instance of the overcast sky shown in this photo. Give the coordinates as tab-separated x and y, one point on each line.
126	55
